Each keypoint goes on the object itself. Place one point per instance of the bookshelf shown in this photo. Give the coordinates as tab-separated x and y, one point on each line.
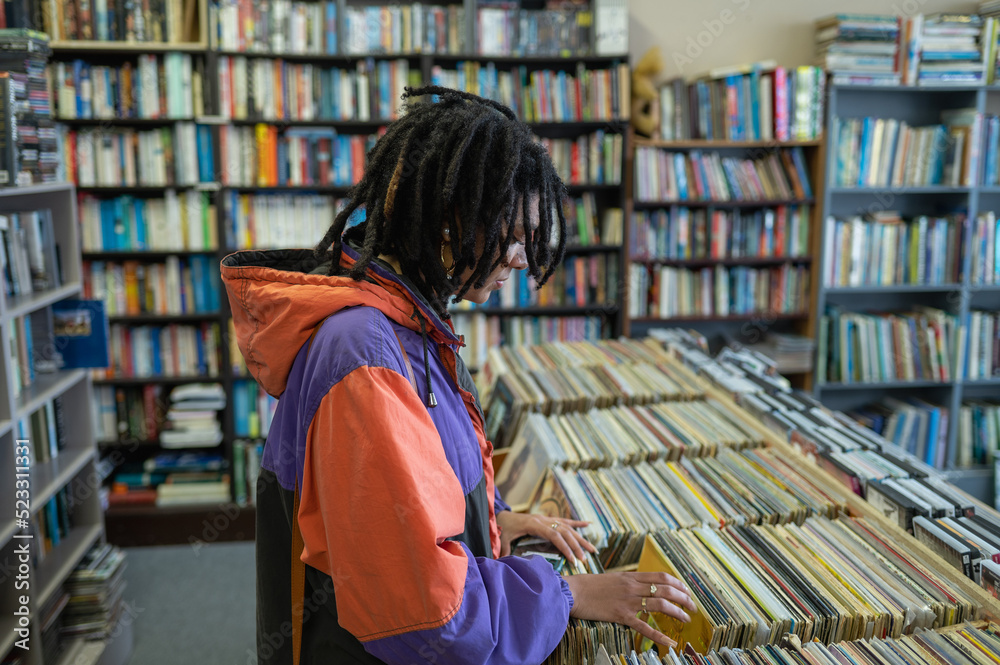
242	121
954	293
68	473
747	326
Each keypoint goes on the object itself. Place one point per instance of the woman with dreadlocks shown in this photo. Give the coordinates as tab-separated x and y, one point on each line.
380	535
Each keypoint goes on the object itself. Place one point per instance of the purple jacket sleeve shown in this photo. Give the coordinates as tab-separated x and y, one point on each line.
514	611
499	505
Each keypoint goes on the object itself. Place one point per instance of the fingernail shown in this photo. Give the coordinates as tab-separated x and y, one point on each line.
669	642
687	618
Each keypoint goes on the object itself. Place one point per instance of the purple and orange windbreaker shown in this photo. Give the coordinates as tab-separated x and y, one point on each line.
396	498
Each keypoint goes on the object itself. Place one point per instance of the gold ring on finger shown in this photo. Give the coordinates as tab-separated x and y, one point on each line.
555	525
644	605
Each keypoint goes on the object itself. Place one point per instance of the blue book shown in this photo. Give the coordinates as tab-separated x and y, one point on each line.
108	241
198	278
704	97
241	409
139	206
741	109
754	132
331	27
78	66
992	145
202	364
335	75
80	330
680	173
206	162
156	350
283	170
563	95
866	132
52	522
800	167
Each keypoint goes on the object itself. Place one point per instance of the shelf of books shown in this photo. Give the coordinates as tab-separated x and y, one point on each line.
908	335
46	406
713	469
723	217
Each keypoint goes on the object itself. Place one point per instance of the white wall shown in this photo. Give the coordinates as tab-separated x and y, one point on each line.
697	35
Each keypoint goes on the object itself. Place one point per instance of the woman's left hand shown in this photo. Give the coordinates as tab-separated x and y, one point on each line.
559	531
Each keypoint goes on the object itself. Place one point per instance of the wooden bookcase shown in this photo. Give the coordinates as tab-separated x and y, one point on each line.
75	467
744	328
916	106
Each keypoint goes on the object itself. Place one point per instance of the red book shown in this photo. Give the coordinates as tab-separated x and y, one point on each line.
357	159
781	221
324	156
149	399
574	163
579	98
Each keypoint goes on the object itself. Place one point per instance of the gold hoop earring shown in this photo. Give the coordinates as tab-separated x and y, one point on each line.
449	270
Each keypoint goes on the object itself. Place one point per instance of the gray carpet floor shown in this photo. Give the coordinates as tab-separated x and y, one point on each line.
192	607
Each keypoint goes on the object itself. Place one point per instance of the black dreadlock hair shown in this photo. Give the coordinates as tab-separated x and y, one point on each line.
464	161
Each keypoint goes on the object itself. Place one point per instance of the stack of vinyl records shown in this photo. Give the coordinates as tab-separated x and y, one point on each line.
966	643
756	583
625	503
582	638
569	377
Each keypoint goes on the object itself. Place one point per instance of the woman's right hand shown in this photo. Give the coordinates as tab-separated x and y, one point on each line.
617	597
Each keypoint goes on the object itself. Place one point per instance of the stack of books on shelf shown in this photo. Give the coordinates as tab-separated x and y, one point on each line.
177	286
984	268
120	21
918	427
685	234
253	410
948	50
96	589
51	616
579	281
246	468
758	102
171	479
167	87
978	433
168	351
981	358
180	221
552	29
670	292
263	156
270	90
281	26
192	421
486	332
860	48
260	221
586	227
590	159
409	28
29	253
544	95
29	150
46	430
696	176
128	415
123	157
917	345
886	152
884	249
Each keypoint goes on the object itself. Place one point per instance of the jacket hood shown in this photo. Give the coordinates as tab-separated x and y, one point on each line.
277	303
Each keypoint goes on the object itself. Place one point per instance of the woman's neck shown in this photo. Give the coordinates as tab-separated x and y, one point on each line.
393	263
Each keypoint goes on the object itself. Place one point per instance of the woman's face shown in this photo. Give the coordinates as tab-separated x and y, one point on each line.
515	259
